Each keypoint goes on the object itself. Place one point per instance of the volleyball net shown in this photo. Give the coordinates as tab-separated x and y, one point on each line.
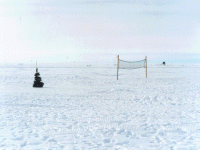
121	64
132	64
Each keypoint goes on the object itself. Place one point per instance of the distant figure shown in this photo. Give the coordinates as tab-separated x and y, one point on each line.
37	82
163	63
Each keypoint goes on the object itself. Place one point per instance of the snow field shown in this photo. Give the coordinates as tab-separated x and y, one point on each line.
87	108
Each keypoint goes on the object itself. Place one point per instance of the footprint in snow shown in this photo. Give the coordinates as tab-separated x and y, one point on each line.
52	141
19	138
122	143
106	140
36	135
128	134
45	138
23	144
158	139
121	131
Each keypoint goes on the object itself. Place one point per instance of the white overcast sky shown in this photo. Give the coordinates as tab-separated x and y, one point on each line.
99	30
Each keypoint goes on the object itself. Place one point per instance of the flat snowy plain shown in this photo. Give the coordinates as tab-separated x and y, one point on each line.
87	108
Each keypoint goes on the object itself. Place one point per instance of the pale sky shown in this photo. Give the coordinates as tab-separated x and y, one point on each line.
99	30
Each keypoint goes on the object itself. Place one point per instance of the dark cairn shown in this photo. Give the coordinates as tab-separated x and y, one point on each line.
38	79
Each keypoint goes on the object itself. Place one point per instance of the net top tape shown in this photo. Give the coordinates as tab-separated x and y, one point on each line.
131	61
131	64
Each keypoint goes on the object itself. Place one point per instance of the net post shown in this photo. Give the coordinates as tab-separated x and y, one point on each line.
146	65
117	66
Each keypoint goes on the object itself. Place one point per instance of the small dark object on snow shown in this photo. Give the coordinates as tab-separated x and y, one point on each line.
163	63
38	79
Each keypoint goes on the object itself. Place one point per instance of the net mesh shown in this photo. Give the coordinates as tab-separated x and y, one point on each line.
132	64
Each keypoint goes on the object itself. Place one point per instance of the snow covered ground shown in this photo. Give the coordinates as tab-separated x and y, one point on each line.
87	108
